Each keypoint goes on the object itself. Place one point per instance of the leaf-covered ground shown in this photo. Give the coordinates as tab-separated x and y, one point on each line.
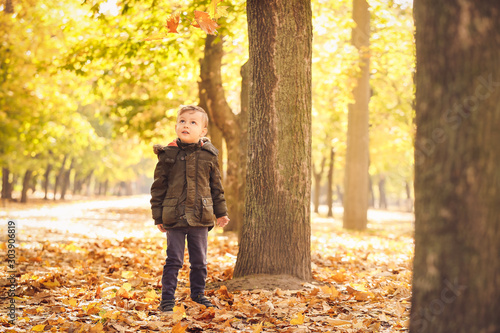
96	266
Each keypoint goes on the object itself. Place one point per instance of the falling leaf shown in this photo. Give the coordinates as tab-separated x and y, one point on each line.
221	12
205	22
299	320
173	23
213	7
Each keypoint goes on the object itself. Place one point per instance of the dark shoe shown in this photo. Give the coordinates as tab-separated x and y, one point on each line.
201	299
167	305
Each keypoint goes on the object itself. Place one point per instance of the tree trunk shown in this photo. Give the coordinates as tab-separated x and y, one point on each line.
26	185
317	184
6	193
46	181
382	201
243	148
59	176
371	193
217	140
457	175
356	175
66	179
213	100
409	202
277	229
329	193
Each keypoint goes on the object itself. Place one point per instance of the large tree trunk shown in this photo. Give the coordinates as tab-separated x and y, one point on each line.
456	286
26	185
329	193
277	229
213	100
356	175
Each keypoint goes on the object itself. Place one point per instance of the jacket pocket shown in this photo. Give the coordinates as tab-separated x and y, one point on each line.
207	214
169	214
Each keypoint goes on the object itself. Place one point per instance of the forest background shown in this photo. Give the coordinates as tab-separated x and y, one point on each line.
87	88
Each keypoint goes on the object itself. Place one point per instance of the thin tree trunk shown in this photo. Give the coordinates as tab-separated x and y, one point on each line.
277	231
26	185
329	193
66	179
46	181
457	174
59	176
356	175
213	99
317	183
6	193
382	203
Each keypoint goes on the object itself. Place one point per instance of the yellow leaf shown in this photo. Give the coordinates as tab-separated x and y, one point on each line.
299	320
128	274
330	291
142	315
257	328
71	302
38	328
51	284
98	328
127	286
179	312
151	294
221	12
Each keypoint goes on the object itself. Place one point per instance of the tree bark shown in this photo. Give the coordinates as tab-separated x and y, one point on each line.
457	175
277	229
329	193
26	185
356	175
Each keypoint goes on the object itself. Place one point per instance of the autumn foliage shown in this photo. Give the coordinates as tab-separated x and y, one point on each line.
73	282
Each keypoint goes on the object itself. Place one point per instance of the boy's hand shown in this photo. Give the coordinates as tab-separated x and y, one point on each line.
222	221
161	228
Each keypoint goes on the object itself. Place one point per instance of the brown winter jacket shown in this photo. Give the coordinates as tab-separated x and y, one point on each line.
187	188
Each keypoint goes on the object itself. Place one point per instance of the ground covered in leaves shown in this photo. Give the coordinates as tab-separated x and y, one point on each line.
95	266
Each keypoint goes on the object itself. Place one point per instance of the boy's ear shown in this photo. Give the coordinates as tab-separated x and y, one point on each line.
204	132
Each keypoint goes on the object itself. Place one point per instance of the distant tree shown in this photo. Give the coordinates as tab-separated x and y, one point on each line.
356	174
457	174
277	230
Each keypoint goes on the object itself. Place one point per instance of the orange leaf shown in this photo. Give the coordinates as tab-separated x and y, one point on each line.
205	22
179	328
173	23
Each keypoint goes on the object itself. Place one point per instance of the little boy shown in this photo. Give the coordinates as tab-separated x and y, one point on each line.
186	193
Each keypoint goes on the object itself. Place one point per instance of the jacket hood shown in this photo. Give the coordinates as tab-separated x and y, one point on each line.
204	143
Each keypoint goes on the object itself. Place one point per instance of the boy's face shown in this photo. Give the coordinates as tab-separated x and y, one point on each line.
190	127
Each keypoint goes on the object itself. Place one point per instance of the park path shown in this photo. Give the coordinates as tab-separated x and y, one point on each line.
116	217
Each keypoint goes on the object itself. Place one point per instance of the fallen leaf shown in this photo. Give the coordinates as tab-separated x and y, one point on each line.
299	320
179	328
38	328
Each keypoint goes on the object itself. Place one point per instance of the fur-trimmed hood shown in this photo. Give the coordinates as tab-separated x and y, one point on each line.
204	143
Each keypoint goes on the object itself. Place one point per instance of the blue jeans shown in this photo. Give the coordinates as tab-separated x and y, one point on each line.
197	249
